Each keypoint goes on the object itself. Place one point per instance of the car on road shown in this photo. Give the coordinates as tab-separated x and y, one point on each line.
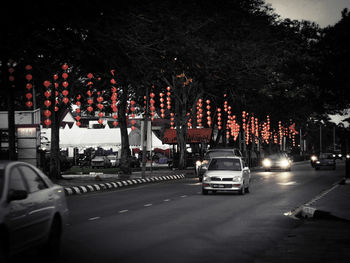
279	161
202	165
325	160
114	161
100	162
226	174
33	211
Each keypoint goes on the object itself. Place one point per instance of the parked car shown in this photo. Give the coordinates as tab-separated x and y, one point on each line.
325	160
113	160
202	165
33	211
226	174
100	162
277	161
337	155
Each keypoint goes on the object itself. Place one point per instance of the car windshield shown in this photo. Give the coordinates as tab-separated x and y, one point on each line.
225	164
2	178
276	156
213	154
325	156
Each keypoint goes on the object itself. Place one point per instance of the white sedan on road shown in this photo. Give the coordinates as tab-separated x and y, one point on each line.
226	174
33	211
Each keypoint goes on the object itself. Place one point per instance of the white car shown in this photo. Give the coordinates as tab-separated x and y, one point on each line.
226	174
33	211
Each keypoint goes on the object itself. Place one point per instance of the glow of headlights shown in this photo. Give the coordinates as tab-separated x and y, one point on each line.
284	163
314	158
318	162
348	156
266	163
198	163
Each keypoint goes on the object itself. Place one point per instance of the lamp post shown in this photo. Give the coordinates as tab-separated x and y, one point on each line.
143	137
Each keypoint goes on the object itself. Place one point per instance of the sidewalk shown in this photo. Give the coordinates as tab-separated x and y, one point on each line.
324	236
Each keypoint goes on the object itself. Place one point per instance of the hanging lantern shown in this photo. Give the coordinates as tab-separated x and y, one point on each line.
132	109
208	113
29	85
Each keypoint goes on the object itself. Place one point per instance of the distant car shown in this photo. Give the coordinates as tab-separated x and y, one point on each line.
325	160
100	162
337	155
277	161
114	161
226	174
33	211
201	166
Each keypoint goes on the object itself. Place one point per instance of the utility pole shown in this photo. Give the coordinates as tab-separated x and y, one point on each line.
144	136
320	138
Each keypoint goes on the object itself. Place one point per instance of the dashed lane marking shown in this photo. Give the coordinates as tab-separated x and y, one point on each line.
147	205
123	211
94	218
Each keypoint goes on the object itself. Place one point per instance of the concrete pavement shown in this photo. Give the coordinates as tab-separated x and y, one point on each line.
324	231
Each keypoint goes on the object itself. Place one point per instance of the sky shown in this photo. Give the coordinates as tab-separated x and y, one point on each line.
323	12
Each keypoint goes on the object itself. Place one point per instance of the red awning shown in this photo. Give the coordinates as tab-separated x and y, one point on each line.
193	136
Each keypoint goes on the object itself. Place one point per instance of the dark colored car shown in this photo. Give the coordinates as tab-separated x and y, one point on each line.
325	160
201	165
277	161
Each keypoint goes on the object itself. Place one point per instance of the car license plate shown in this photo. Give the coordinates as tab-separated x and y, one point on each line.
218	185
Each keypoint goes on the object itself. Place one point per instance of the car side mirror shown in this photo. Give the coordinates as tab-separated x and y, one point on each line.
17	195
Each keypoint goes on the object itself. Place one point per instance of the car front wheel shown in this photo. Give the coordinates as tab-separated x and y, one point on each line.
52	246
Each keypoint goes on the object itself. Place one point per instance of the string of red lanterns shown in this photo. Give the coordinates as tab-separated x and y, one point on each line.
29	86
65	84
90	100
208	113
152	101
114	98
132	109
47	103
78	110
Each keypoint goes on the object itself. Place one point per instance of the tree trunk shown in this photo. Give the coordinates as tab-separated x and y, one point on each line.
125	149
55	165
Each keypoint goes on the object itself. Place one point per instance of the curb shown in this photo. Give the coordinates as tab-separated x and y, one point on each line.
77	190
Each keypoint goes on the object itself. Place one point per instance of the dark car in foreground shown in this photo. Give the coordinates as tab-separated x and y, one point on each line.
33	211
325	160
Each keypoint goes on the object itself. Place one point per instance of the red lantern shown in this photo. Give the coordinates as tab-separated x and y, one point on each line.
64	75
29	86
47	83
47	113
47	103
90	109
78	123
100	121
115	123
29	104
65	66
47	122
29	77
65	84
47	94
65	100
65	92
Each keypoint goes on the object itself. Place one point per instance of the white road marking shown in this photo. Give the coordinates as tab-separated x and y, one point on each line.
123	211
94	218
184	196
166	200
146	205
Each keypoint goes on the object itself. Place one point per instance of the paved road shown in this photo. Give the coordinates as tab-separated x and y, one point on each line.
173	222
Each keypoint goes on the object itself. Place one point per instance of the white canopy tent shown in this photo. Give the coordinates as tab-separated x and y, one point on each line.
105	138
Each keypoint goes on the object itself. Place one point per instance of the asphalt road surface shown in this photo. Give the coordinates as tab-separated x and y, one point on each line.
173	222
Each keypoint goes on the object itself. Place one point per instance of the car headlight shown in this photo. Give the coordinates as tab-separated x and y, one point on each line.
314	158
236	178
339	155
348	156
318	162
206	179
266	162
284	163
